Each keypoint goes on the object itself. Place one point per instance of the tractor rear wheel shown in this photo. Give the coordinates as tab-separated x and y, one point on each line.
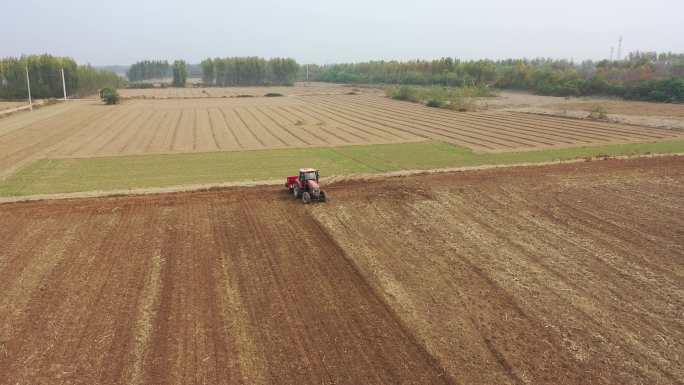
322	197
306	197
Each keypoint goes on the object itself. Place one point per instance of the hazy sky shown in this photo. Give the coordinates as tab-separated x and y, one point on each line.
124	31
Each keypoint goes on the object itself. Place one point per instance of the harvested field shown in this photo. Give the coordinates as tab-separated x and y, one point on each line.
627	107
558	274
551	275
490	131
299	89
649	114
203	125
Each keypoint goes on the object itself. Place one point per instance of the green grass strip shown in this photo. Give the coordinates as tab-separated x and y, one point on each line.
114	173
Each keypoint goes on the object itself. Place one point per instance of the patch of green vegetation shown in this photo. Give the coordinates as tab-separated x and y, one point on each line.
114	173
456	98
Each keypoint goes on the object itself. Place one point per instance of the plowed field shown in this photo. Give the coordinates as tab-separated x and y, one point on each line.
565	274
87	129
191	289
312	88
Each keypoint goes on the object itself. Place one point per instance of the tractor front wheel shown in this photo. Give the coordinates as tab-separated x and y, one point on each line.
295	191
306	197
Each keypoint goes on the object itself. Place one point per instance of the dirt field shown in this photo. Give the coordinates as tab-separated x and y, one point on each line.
660	115
548	275
554	275
87	129
10	105
299	89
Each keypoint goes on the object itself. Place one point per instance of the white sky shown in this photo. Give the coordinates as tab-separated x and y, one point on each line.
125	31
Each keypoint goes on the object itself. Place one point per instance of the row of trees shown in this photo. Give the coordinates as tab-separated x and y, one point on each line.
243	71
642	75
149	69
46	77
180	73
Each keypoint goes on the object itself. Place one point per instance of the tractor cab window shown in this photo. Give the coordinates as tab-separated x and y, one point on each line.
309	175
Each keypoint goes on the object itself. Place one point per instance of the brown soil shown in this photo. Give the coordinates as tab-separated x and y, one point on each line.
628	107
299	89
214	288
11	105
544	275
567	274
660	115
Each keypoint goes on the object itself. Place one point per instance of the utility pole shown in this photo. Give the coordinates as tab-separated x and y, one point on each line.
619	48
28	84
64	85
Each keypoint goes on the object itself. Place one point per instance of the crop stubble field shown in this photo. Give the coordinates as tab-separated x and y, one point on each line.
299	89
88	129
567	274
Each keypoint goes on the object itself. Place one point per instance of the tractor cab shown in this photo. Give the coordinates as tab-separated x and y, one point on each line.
307	174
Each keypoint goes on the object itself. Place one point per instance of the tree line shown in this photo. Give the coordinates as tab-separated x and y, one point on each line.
149	69
641	75
248	71
46	77
180	73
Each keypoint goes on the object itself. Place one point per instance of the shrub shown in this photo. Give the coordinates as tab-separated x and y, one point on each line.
462	103
406	93
434	103
109	96
140	85
598	112
273	94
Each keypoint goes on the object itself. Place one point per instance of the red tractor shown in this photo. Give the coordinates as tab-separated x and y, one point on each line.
306	185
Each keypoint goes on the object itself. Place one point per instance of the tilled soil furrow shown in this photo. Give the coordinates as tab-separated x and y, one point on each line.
383	133
262	133
499	121
587	126
308	135
283	136
497	138
645	132
244	126
449	126
225	138
351	131
578	128
320	125
268	117
432	132
585	271
80	144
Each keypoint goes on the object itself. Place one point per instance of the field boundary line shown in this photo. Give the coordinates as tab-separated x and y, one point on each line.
329	180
